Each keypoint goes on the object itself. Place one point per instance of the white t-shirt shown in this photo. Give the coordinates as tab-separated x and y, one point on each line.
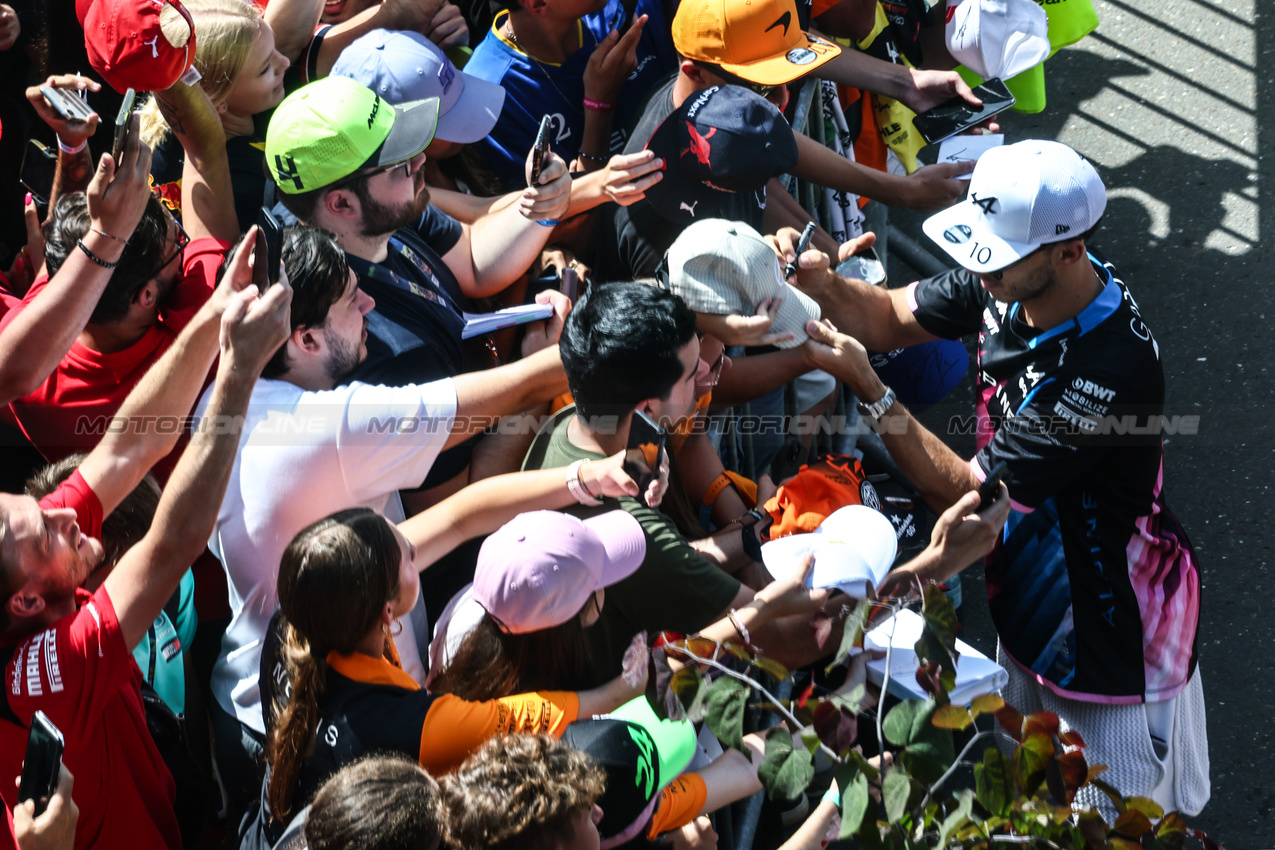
302	456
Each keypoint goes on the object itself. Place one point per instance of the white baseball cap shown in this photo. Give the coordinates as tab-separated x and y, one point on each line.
997	38
853	548
718	266
1021	196
406	66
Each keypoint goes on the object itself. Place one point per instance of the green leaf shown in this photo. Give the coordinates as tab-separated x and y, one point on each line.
772	668
810	738
784	772
869	769
854	700
937	643
895	790
724	703
956	819
994	782
952	717
928	750
1030	762
854	804
852	635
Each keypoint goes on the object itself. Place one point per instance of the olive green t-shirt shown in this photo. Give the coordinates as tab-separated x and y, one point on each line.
675	589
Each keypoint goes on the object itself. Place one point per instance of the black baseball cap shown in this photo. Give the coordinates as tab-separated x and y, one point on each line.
721	140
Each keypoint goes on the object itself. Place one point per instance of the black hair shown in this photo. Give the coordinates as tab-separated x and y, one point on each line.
620	347
318	273
138	264
383	802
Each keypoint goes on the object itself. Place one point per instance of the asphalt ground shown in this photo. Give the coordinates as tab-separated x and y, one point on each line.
1168	100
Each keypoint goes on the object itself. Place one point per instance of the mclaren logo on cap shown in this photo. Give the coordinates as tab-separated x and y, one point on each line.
289	172
376	107
785	19
958	233
985	203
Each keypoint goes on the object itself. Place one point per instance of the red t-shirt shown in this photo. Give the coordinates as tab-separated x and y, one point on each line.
71	409
79	672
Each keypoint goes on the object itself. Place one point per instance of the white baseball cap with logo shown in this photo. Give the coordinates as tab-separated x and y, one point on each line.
720	267
406	66
997	38
1021	196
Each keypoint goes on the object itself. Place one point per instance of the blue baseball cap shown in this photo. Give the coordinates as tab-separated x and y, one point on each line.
406	66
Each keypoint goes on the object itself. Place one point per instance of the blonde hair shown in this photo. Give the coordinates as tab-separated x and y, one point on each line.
225	31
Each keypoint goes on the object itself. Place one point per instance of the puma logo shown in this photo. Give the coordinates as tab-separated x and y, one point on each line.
785	19
690	208
153	45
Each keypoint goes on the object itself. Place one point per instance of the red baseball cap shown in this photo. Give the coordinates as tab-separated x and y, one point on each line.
127	47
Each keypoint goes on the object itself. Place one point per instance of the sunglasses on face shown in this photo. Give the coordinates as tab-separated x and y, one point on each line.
179	247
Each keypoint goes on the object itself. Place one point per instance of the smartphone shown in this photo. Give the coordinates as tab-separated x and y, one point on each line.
122	123
43	761
68	104
642	454
540	151
38	165
991	486
865	265
956	115
267	254
569	284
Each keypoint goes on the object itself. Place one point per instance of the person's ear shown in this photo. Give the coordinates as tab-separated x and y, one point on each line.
147	296
1071	252
343	204
24	604
535	7
307	338
693	72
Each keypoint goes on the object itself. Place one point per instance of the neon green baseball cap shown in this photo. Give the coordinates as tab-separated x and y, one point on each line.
334	127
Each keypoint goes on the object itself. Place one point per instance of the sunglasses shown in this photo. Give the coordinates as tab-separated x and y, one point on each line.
179	247
406	165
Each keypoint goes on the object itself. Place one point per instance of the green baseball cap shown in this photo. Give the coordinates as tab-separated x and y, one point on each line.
334	127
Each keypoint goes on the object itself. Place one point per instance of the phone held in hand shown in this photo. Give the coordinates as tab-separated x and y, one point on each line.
122	124
38	166
267	253
644	450
956	115
865	266
569	283
68	104
991	487
540	151
42	763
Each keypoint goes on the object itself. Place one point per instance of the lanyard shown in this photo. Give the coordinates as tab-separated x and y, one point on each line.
376	271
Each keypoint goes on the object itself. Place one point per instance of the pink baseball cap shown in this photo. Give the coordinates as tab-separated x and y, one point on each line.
541	567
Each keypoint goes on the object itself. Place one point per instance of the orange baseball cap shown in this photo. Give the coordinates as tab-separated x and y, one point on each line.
760	41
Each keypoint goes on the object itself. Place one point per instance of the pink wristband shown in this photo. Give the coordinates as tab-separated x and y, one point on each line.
598	105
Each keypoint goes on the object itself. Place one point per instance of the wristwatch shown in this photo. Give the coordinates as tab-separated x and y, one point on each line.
878	408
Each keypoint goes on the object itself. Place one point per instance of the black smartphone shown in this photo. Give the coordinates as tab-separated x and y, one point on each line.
38	166
66	103
956	116
122	123
643	452
991	486
540	151
569	284
268	252
865	265
42	763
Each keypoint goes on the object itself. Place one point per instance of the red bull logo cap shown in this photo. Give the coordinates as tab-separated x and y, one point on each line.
720	141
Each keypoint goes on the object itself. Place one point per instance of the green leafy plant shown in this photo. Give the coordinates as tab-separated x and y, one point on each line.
1024	790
